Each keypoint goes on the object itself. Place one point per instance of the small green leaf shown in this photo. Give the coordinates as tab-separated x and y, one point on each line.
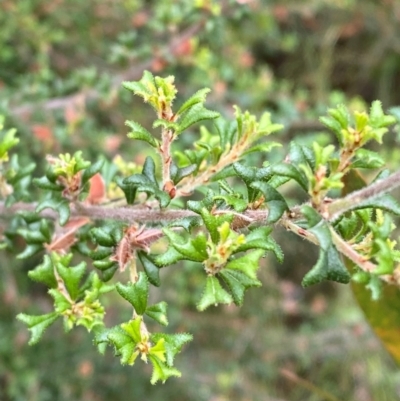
45	183
37	324
192	249
195	114
100	253
102	237
170	257
289	170
124	345
198	97
136	294
260	238
213	294
149	170
161	371
367	159
158	312
44	273
71	277
128	189
173	344
248	264
91	171
237	283
30	250
140	133
152	271
328	267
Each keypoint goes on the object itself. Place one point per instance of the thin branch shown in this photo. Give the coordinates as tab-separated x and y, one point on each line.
133	214
343	205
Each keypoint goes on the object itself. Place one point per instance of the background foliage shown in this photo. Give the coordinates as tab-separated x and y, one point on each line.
61	65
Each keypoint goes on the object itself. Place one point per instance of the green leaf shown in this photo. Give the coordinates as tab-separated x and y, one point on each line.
195	114
213	294
260	238
37	324
194	249
30	250
93	169
173	344
46	184
198	97
71	277
367	159
386	202
290	171
61	206
61	303
149	170
158	312
237	283
262	147
128	189
133	329
44	273
136	294
238	204
104	264
32	237
170	257
178	173
161	371
247	264
124	345
274	200
140	133
213	222
100	253
152	271
328	267
102	237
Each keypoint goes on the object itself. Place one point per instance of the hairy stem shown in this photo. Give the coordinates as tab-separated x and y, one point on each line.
340	206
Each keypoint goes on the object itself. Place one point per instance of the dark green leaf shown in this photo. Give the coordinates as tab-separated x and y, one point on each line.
152	271
44	183
328	267
274	200
91	171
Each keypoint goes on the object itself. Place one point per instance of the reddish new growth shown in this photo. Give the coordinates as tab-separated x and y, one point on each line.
135	238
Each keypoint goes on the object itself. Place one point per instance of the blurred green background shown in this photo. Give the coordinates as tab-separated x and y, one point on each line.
61	66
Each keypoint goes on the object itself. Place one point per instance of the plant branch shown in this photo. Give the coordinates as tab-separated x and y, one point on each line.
343	205
127	214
